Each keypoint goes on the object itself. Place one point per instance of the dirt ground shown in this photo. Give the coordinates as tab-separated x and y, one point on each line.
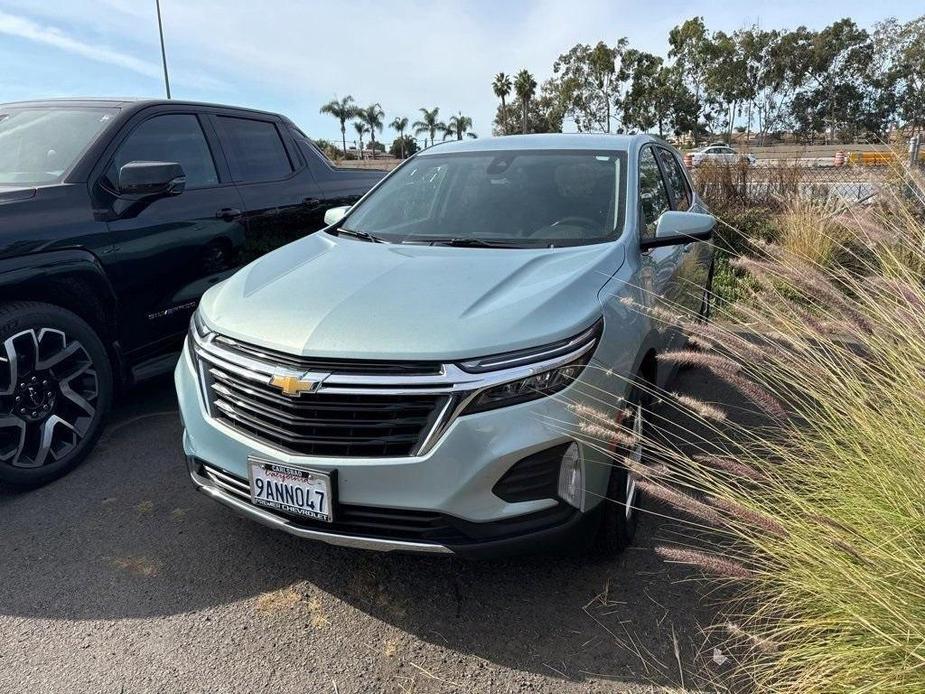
121	578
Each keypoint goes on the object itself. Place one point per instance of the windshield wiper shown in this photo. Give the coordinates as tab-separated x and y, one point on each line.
461	241
362	235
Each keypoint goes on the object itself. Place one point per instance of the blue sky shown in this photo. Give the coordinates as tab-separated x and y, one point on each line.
291	56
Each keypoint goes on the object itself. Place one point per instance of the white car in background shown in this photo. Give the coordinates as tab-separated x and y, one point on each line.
719	153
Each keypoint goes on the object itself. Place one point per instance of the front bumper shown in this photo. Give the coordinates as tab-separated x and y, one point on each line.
453	480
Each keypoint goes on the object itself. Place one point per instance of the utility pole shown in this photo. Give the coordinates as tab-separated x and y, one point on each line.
160	28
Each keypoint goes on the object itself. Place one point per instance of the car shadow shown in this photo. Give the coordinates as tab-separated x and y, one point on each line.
126	536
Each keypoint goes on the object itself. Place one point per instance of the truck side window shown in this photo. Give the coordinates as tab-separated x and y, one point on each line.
256	150
676	180
653	198
175	137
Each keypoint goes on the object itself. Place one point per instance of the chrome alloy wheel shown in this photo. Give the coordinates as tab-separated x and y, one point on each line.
48	391
634	456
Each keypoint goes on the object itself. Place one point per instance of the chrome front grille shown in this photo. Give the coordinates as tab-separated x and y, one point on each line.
336	366
350	408
323	424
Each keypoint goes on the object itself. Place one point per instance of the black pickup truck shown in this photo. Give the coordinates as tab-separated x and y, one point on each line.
115	217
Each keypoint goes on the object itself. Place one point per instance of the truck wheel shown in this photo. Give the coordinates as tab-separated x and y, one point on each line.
620	511
55	392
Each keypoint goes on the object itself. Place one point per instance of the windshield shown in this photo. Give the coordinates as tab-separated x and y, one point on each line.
510	198
40	145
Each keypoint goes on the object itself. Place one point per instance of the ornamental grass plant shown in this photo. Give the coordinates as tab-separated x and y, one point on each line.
814	518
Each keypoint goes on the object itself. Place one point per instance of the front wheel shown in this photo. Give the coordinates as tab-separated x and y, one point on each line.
55	392
621	507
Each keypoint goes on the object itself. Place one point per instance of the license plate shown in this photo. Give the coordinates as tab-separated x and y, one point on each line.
291	490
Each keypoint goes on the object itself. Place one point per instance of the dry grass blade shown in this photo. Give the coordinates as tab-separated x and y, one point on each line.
819	513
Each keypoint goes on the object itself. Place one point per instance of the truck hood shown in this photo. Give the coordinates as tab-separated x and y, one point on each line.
15	193
326	296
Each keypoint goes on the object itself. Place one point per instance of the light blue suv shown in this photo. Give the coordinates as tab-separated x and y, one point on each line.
412	377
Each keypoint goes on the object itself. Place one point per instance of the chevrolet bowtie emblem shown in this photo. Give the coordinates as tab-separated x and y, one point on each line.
294	386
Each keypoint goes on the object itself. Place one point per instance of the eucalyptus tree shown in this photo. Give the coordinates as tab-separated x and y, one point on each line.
689	47
459	126
833	63
502	88
525	88
343	110
657	97
910	72
588	79
429	125
372	116
900	54
399	125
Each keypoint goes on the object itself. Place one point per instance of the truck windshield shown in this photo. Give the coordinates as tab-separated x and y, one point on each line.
511	198
39	145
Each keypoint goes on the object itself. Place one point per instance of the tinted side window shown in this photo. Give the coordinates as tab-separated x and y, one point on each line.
171	137
676	180
257	152
653	197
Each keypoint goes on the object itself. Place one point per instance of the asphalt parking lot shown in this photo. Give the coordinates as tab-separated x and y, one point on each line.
121	578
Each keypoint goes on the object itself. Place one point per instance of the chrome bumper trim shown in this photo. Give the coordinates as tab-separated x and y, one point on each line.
210	488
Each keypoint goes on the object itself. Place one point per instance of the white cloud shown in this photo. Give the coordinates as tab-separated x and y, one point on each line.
49	35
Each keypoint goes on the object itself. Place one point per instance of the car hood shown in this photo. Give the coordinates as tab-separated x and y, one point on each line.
329	296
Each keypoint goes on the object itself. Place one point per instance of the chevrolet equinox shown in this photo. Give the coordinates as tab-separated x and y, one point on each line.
412	378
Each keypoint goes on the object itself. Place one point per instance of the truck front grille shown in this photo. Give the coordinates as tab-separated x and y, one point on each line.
322	424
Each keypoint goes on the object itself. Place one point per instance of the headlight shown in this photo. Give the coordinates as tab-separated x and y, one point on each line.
547	370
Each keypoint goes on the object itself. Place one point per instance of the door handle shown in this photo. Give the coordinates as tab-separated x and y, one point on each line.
228	213
688	247
311	202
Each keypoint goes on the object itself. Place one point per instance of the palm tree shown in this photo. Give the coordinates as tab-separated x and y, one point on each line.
502	87
458	126
372	116
400	125
343	111
361	129
525	88
429	125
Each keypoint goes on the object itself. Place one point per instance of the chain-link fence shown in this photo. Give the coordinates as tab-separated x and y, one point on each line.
837	176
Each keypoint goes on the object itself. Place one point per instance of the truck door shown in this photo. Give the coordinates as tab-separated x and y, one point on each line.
282	201
168	251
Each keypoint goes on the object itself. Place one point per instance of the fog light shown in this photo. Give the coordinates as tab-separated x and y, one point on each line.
571	484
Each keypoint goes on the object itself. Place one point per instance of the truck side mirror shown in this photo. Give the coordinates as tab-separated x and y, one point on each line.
151	178
334	215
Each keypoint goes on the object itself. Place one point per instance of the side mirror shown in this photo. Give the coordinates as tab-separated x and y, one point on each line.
674	228
334	215
151	178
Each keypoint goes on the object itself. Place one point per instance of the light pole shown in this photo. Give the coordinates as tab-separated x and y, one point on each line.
160	28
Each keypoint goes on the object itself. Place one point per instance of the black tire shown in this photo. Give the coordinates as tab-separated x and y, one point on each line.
619	519
56	389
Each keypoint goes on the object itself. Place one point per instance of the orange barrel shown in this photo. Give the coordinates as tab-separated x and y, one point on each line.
839	158
689	160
